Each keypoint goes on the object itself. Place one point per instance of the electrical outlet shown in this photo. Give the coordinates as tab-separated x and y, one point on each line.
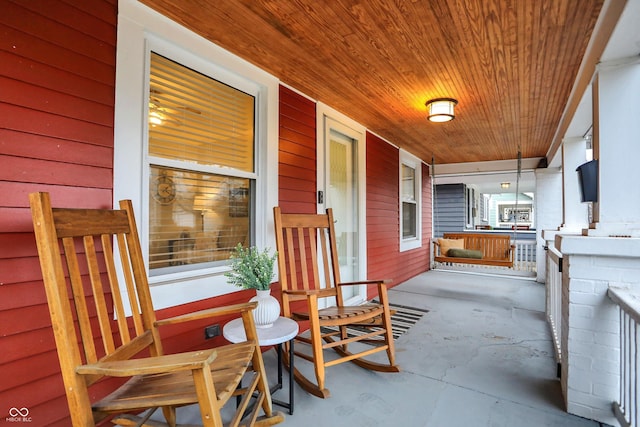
211	331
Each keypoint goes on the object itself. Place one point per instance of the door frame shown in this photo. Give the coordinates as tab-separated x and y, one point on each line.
327	118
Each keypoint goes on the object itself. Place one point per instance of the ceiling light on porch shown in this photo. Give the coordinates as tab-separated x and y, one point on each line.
441	109
505	185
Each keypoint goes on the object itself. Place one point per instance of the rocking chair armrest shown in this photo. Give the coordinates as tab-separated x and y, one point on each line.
150	365
207	313
366	282
319	292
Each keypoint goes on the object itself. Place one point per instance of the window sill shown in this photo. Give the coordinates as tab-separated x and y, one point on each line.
410	244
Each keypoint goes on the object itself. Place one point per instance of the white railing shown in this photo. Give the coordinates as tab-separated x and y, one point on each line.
524	258
554	298
626	408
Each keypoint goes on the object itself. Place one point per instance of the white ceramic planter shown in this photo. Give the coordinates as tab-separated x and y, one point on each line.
267	311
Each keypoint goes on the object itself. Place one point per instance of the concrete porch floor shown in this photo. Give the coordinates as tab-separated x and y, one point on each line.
481	356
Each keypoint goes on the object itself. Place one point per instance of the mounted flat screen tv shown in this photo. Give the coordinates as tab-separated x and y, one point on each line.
588	181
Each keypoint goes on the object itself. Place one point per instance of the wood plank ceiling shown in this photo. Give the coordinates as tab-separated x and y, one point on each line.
511	64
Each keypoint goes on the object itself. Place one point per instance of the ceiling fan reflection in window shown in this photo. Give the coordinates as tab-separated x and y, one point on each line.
165	109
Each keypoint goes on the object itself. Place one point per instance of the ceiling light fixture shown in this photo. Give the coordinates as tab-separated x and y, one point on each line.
505	185
441	109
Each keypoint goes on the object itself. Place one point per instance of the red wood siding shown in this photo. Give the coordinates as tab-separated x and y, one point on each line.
384	259
383	223
57	79
297	153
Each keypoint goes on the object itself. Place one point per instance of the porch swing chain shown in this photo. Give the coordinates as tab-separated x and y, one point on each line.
515	216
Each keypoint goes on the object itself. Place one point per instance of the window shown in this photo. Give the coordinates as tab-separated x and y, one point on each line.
410	201
197	126
470	210
193	197
508	215
485	207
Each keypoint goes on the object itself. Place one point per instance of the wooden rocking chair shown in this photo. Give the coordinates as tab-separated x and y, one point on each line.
297	239
113	345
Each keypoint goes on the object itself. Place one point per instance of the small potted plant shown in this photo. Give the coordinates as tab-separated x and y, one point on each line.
253	269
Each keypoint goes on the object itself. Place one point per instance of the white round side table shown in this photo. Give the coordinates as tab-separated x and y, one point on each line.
283	330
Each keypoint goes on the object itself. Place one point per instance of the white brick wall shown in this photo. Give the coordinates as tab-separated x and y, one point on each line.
548	211
591	347
592	342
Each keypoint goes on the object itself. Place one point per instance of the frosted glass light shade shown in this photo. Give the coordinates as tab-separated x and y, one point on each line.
441	109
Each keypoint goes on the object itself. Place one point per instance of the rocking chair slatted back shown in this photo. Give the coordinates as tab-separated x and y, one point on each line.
90	259
302	234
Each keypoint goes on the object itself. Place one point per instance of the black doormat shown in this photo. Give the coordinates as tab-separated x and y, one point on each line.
402	319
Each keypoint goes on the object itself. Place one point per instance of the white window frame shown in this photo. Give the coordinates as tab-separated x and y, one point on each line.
485	207
409	160
140	29
469	197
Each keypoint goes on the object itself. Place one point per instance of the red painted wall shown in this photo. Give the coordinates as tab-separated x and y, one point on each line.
57	79
297	156
383	217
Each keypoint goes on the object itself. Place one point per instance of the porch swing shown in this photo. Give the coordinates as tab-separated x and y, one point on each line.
475	248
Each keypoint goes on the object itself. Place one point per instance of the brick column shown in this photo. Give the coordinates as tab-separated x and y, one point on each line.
590	320
548	212
616	103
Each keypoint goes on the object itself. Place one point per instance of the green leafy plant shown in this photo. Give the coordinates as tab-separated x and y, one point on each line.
251	268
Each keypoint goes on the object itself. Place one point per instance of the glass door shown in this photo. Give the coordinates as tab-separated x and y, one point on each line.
342	195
